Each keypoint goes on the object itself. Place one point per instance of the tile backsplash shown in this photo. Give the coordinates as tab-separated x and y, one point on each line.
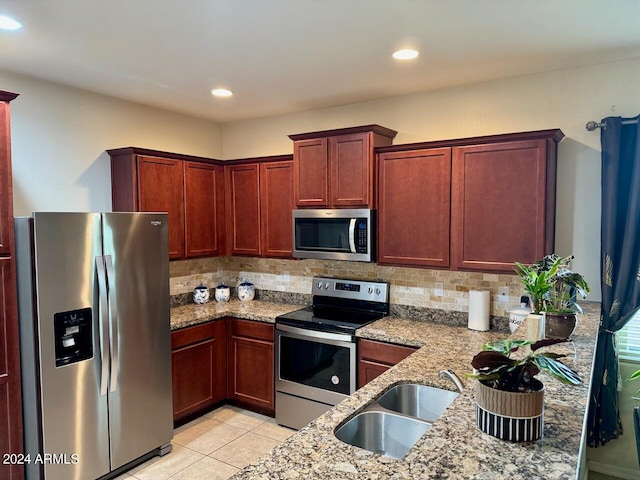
415	287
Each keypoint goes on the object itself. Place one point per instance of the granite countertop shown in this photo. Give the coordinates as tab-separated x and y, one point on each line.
454	448
258	310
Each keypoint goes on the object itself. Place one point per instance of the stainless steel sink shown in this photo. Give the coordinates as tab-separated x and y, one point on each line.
396	421
419	401
382	432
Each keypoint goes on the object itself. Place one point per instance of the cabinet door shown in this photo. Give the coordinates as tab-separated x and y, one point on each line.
251	365
351	179
160	189
6	194
311	172
10	406
499	205
243	209
204	209
276	204
198	368
414	206
375	358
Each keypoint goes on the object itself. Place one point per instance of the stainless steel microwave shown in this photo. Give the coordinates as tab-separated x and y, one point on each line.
335	234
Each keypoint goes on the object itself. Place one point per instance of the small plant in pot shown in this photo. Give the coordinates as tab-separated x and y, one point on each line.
553	288
509	399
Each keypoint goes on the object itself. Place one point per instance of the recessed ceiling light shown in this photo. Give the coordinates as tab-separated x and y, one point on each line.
9	23
221	92
406	54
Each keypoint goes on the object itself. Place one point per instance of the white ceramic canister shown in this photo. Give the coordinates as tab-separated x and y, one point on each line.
201	294
518	315
223	293
246	291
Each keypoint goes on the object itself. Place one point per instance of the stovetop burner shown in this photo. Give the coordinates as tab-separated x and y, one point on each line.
336	321
340	306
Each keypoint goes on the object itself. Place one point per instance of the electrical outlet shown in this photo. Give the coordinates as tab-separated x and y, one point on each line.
438	290
503	294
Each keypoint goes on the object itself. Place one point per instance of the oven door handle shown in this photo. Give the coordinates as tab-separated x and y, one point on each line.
339	337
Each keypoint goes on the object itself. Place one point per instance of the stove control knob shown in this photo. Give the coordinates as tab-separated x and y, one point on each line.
377	291
370	290
326	285
319	285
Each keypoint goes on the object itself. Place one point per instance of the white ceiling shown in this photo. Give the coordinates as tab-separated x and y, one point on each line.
281	56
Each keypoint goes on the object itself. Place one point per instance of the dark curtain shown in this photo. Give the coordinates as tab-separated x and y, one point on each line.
619	268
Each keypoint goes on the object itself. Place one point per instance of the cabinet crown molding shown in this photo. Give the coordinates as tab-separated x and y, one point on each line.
387	132
554	134
7	96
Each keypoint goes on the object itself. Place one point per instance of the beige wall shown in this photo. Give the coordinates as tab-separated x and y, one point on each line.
565	100
60	134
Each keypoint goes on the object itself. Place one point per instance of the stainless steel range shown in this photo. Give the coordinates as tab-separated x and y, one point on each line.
316	347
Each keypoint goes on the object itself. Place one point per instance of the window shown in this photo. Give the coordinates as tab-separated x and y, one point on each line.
629	340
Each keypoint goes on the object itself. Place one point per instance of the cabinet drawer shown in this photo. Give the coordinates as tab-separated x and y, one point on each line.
384	353
190	335
252	329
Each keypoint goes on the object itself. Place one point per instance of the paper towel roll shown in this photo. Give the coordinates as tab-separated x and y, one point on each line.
479	310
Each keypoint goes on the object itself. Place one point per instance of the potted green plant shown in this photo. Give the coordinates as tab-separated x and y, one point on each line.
509	399
553	288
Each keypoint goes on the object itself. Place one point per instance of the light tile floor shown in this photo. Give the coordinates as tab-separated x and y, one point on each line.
214	446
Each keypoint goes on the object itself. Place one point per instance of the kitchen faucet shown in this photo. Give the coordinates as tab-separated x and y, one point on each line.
450	375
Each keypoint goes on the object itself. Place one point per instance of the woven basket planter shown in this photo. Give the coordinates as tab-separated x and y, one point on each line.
512	416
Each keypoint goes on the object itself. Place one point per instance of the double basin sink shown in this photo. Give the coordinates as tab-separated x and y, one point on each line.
392	424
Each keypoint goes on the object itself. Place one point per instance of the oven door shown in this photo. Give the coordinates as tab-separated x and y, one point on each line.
315	365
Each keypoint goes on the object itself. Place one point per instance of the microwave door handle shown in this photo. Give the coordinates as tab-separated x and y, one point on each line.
352	235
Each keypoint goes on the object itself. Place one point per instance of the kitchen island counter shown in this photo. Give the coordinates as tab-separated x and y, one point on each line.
454	448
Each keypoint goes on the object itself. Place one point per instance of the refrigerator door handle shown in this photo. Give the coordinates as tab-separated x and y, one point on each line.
104	332
113	323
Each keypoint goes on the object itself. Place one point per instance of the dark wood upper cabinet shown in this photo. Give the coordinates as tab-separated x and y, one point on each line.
259	200
190	189
243	209
352	170
311	172
503	204
414	204
161	189
336	168
502	210
10	387
204	209
276	204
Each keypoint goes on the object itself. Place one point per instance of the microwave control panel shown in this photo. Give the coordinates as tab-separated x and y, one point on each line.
361	235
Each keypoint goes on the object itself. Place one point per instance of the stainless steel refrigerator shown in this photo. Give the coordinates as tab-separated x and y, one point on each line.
93	297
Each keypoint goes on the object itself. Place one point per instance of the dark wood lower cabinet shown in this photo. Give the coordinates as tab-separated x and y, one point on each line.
375	358
199	365
225	359
251	365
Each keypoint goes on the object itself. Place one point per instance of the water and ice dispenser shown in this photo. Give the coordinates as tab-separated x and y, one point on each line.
73	336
